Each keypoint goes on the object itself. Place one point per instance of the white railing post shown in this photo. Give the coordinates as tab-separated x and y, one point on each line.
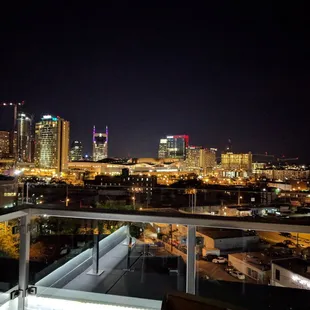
27	192
191	260
24	249
95	251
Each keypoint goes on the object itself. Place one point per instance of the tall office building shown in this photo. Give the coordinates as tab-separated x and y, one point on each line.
13	144
4	144
193	160
24	136
100	144
208	160
173	147
76	151
162	150
52	143
199	159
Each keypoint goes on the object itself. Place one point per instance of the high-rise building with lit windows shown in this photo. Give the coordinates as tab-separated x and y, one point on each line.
100	144
232	161
199	159
162	150
173	147
4	144
193	160
52	143
76	151
24	136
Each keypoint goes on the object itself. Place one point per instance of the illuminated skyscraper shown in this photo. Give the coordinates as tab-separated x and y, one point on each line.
208	160
193	160
52	143
173	147
13	144
199	159
162	150
76	152
100	144
24	136
4	144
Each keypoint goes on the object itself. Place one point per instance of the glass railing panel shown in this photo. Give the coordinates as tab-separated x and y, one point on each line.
9	263
253	269
139	260
58	247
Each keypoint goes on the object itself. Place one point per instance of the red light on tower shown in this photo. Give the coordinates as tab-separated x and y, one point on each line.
185	137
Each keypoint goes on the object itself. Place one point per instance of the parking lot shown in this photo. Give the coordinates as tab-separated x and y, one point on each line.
217	272
208	270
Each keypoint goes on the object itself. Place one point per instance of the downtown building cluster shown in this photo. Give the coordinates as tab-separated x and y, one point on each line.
46	144
43	148
196	158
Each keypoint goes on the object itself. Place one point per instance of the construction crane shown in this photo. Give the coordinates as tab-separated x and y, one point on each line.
15	105
287	159
264	155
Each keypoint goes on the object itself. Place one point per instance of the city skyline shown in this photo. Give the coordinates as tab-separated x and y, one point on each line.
226	146
212	73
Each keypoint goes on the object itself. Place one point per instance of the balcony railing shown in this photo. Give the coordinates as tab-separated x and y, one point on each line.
132	266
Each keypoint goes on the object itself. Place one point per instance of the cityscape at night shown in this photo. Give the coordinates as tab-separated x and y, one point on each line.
154	157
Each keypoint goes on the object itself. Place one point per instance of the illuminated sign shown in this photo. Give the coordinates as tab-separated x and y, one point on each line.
9	194
48	117
170	137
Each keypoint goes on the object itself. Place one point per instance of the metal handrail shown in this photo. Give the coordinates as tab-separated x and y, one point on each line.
301	225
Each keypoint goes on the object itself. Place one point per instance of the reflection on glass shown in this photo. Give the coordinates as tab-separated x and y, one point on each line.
143	260
235	261
9	255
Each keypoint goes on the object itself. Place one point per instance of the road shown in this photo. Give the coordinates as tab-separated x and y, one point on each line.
274	237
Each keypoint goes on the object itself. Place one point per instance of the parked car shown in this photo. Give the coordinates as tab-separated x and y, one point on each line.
264	241
174	243
183	249
229	269
219	260
160	244
209	257
284	234
300	245
237	274
289	242
280	245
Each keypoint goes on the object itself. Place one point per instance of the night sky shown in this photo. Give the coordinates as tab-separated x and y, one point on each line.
226	70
